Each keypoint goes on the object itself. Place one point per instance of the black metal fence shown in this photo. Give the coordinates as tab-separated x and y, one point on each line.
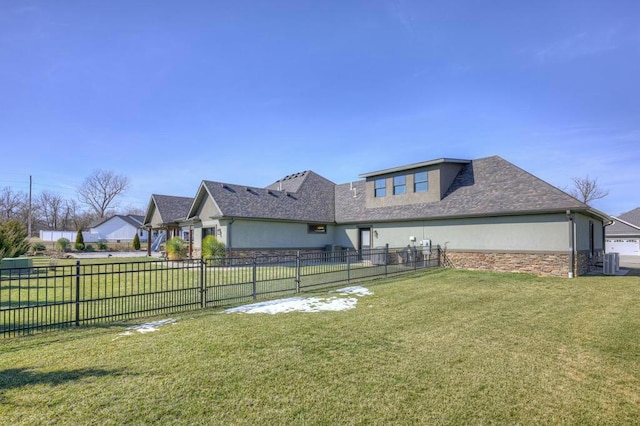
40	298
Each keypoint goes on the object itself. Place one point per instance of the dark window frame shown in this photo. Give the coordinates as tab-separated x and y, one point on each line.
424	181
380	190
399	185
316	228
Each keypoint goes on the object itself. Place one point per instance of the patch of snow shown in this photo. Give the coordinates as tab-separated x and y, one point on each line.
305	304
356	289
146	328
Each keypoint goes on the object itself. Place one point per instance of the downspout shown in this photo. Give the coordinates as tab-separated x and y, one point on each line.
229	239
572	248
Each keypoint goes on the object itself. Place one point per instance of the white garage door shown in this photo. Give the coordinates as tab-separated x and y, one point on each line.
625	247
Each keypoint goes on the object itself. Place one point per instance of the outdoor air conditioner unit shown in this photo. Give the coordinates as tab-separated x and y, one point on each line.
609	263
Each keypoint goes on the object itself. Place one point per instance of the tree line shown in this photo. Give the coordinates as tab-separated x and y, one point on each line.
97	198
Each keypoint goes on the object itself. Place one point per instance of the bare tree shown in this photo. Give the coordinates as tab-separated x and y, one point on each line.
133	210
100	190
74	218
12	203
587	189
50	206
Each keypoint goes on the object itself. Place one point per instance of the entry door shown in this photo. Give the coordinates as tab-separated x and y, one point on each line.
364	241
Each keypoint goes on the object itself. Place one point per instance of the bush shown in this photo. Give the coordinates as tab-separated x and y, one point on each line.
79	240
63	244
102	245
211	247
176	248
38	247
89	247
13	239
136	242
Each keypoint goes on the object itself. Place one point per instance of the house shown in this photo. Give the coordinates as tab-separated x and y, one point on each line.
624	235
165	218
485	213
117	228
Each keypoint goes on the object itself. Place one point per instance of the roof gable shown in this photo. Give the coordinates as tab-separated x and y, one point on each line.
129	219
170	208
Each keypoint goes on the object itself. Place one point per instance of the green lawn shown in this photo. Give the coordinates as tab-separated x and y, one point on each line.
437	347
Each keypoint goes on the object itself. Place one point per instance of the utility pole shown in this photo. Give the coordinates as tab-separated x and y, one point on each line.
29	219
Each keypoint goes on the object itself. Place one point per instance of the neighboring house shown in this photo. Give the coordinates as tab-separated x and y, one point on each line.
165	218
118	228
486	213
624	235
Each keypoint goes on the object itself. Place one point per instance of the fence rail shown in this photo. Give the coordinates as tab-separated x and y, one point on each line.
41	298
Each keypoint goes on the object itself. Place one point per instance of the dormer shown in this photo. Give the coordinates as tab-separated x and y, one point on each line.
411	184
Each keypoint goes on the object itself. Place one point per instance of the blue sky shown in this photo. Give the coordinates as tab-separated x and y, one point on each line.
170	93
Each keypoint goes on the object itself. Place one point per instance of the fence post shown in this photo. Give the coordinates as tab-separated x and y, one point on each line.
415	258
202	287
348	266
386	258
255	274
298	271
77	293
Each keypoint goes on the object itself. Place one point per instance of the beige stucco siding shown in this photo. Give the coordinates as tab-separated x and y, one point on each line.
270	234
156	220
440	178
207	209
582	233
508	233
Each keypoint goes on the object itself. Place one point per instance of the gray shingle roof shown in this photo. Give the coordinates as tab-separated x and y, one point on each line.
312	200
133	220
632	217
631	227
290	183
170	208
486	186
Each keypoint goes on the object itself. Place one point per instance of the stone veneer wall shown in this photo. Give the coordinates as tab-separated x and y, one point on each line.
251	253
585	263
546	263
271	252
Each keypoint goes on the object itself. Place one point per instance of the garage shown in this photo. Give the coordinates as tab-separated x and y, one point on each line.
624	246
